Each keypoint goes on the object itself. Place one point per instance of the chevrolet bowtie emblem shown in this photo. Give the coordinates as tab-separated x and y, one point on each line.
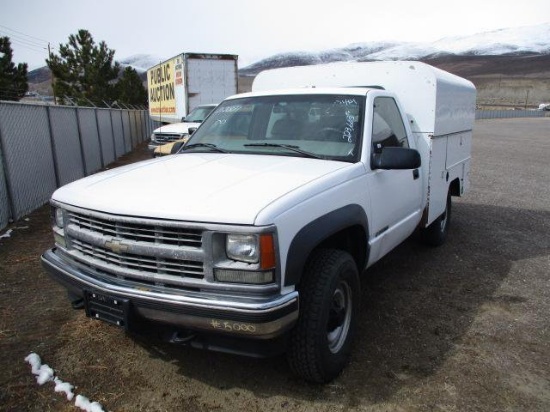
116	246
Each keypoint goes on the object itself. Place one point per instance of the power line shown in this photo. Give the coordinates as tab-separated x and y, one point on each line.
27	46
32	43
27	35
20	40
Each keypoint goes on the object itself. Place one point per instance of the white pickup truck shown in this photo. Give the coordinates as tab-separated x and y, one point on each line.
273	209
179	131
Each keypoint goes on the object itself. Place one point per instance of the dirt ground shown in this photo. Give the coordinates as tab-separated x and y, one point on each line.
464	327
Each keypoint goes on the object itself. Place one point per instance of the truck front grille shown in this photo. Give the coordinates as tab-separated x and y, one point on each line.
138	232
167	137
151	252
175	267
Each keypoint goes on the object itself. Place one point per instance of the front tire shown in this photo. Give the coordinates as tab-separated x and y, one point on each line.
436	233
320	343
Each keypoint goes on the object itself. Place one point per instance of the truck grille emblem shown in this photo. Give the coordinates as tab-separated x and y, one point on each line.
116	246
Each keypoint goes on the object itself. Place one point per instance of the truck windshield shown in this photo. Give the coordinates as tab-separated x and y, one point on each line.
198	114
314	125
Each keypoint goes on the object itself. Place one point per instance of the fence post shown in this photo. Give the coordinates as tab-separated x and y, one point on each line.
52	145
99	139
113	132
5	177
78	127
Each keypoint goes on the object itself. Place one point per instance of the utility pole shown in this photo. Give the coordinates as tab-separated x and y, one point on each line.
53	77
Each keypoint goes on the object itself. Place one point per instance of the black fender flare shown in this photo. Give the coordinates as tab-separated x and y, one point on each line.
317	231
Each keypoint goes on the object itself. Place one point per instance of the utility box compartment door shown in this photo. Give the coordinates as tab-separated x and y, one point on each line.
437	199
459	147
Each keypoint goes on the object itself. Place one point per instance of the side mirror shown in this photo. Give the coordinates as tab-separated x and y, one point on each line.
396	158
191	130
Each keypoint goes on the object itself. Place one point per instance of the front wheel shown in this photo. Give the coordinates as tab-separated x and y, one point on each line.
436	233
320	343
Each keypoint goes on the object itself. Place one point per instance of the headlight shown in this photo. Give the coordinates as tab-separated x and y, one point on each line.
153	138
59	218
253	256
243	248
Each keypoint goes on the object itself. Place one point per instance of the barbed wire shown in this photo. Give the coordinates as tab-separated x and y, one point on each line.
72	101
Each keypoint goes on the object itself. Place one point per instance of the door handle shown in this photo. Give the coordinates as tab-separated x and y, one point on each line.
416	174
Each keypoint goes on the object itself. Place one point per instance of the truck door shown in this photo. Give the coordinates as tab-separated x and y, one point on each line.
395	195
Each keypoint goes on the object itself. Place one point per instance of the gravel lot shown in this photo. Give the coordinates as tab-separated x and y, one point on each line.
464	327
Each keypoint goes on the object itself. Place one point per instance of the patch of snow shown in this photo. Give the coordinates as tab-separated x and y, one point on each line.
7	234
34	360
65	387
84	403
534	39
407	51
141	62
45	374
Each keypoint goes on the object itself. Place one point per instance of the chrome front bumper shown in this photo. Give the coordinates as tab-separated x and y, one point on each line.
258	318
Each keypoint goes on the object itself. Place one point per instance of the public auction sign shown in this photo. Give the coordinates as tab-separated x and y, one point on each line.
161	81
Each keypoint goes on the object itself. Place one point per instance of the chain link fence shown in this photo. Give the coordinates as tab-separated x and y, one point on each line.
45	147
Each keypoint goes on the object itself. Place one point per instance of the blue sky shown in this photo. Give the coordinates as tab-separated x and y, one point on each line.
253	29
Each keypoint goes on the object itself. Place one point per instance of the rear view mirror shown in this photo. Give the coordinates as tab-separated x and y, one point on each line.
191	130
396	158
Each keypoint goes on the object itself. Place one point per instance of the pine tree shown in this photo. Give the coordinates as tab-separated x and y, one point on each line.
130	88
84	71
13	79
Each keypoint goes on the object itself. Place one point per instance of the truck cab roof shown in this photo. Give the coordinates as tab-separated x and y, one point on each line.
352	91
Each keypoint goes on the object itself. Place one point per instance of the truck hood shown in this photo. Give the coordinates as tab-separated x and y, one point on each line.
176	128
200	187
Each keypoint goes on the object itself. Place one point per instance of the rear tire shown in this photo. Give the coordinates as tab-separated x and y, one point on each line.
320	343
436	233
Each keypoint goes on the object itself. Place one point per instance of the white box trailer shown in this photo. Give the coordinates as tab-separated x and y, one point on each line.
178	85
439	105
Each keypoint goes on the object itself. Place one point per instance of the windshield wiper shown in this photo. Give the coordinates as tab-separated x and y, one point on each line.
285	146
208	145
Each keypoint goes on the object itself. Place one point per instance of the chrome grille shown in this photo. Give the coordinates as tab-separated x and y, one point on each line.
167	137
138	232
175	267
146	251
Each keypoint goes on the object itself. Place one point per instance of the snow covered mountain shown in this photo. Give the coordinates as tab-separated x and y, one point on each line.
512	41
141	62
534	40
